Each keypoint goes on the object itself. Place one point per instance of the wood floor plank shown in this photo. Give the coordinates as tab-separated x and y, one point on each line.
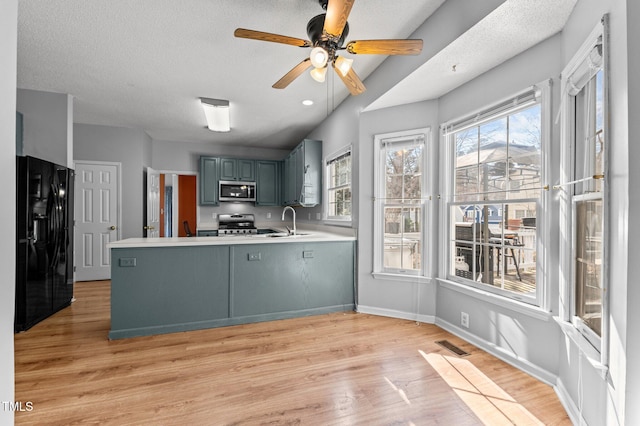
335	369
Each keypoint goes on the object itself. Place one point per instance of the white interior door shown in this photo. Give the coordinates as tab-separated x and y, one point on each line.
152	226
97	197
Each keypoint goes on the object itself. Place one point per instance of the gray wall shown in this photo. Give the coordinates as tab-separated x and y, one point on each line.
130	148
135	151
528	338
397	298
518	335
8	66
530	341
48	132
185	156
349	125
632	313
614	399
176	156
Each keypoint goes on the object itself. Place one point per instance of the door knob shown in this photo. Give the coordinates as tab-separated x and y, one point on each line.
149	228
112	227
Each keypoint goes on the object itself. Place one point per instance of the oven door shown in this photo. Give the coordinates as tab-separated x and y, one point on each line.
237	191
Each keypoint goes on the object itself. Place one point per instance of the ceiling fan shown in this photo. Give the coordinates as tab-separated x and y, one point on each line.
327	32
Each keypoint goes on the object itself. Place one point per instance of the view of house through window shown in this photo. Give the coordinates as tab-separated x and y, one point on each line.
402	202
338	172
496	189
588	205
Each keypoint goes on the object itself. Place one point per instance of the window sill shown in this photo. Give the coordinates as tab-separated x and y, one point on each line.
400	277
505	302
586	349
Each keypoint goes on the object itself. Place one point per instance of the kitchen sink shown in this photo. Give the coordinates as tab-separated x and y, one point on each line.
286	235
274	233
268	231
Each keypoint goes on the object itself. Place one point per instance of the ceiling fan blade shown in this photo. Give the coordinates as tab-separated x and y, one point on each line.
293	74
385	47
352	81
337	15
276	38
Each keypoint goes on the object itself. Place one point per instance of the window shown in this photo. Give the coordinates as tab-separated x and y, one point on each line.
338	186
585	145
495	196
401	194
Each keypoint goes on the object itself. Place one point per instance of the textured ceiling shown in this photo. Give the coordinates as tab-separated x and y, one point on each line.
510	29
145	63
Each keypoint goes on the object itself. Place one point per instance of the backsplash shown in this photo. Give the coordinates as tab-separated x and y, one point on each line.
207	215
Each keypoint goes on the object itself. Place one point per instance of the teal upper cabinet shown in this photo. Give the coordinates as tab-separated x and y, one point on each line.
237	169
302	177
209	181
268	182
289	179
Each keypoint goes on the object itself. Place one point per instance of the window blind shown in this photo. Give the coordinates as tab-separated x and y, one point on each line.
501	109
403	142
586	69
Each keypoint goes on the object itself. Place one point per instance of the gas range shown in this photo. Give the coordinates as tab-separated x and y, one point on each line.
236	224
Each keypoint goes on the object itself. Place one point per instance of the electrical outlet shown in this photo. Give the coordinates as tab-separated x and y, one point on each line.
127	262
268	215
318	216
464	319
254	256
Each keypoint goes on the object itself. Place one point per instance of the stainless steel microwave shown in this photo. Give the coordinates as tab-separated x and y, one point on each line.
231	190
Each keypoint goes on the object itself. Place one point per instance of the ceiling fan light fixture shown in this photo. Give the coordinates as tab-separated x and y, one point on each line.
343	65
319	57
319	74
216	112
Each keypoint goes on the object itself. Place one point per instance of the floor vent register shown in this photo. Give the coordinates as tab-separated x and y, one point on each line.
453	348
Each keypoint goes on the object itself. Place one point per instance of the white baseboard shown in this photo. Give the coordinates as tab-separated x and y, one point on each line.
499	352
570	407
412	316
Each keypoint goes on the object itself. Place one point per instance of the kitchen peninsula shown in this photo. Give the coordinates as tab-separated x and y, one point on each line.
165	285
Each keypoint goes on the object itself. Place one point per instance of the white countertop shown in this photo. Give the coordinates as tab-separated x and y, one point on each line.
305	235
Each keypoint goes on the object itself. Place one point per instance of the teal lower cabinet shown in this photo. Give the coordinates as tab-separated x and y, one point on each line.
168	289
157	290
299	277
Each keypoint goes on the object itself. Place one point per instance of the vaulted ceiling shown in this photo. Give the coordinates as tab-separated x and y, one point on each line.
146	63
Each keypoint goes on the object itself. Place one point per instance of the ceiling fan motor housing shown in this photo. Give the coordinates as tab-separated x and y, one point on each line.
315	31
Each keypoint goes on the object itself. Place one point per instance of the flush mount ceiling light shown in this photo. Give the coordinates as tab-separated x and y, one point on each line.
217	113
307	102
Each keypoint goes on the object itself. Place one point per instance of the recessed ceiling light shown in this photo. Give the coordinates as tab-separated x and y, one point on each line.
307	102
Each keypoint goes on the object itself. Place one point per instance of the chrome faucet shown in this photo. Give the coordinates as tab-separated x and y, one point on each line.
294	219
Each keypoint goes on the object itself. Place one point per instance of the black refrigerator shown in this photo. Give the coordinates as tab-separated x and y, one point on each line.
44	240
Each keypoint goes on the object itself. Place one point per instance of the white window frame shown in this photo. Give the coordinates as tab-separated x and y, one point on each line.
539	93
573	79
337	220
379	271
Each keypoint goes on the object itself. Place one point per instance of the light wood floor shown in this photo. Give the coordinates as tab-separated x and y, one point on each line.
336	369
